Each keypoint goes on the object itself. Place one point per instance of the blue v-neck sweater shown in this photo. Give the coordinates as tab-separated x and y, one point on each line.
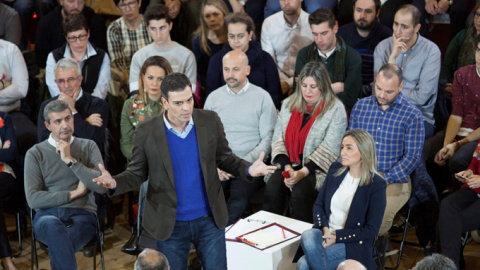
192	200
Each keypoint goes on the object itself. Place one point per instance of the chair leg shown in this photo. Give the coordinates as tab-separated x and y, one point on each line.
400	251
101	251
19	232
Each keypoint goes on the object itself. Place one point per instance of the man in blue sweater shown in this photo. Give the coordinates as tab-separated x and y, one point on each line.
179	152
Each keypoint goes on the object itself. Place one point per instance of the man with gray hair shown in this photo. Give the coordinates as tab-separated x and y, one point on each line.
59	187
151	259
90	113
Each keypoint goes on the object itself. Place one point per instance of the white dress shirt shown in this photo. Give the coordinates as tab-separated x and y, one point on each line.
283	42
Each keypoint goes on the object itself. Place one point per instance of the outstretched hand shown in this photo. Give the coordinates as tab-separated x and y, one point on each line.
259	168
105	180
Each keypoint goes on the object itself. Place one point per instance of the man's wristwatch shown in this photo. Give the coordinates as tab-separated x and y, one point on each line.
72	162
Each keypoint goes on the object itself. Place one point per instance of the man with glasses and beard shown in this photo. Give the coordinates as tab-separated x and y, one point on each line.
364	34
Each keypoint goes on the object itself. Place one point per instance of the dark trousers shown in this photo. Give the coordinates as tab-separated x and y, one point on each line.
302	196
7	187
459	213
241	192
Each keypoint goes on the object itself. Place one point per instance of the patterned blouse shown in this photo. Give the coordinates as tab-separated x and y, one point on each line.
135	111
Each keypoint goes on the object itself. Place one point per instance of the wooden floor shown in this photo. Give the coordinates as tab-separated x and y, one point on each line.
116	260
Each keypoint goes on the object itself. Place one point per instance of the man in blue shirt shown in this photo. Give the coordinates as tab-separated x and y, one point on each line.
179	152
397	128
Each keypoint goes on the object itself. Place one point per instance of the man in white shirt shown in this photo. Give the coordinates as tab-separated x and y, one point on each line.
181	59
283	35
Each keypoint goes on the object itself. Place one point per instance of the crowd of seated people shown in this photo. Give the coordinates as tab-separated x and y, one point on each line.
340	96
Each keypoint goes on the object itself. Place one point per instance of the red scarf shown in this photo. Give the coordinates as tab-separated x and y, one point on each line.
295	135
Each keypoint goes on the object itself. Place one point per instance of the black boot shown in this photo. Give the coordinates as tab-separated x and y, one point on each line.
381	248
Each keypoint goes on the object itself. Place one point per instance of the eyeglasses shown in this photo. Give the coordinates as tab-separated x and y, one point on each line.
74	39
131	5
69	80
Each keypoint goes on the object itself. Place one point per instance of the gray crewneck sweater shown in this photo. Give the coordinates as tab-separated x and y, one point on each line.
48	180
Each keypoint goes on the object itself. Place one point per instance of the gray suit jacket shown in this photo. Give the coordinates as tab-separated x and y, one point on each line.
151	159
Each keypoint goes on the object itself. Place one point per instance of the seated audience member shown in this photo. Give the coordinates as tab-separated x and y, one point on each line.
389	8
457	10
183	22
254	8
460	212
90	113
248	116
50	33
184	205
274	6
463	128
26	9
364	34
146	104
263	71
94	62
348	210
351	265
283	35
125	36
434	262
459	51
159	26
306	141
8	154
418	57
59	186
13	88
209	38
151	259
10	25
344	64
387	115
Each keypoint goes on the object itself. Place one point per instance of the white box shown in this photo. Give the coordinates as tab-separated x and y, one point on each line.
242	256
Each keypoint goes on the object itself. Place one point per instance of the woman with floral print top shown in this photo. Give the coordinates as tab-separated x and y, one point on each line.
146	104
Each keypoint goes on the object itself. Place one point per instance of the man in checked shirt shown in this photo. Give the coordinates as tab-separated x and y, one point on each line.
397	128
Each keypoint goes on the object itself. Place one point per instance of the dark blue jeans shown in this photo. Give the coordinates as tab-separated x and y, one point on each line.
207	238
65	231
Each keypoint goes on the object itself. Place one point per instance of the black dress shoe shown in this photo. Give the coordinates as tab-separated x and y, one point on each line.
89	251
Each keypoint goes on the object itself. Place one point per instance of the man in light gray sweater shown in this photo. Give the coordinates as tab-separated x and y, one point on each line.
58	185
248	116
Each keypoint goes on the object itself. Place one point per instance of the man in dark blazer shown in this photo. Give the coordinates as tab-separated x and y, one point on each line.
179	152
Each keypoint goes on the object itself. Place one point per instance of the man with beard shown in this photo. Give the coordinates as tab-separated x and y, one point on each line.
50	29
419	59
283	35
248	116
397	128
364	34
343	63
58	185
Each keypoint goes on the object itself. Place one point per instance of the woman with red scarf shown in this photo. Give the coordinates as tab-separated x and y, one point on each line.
306	141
